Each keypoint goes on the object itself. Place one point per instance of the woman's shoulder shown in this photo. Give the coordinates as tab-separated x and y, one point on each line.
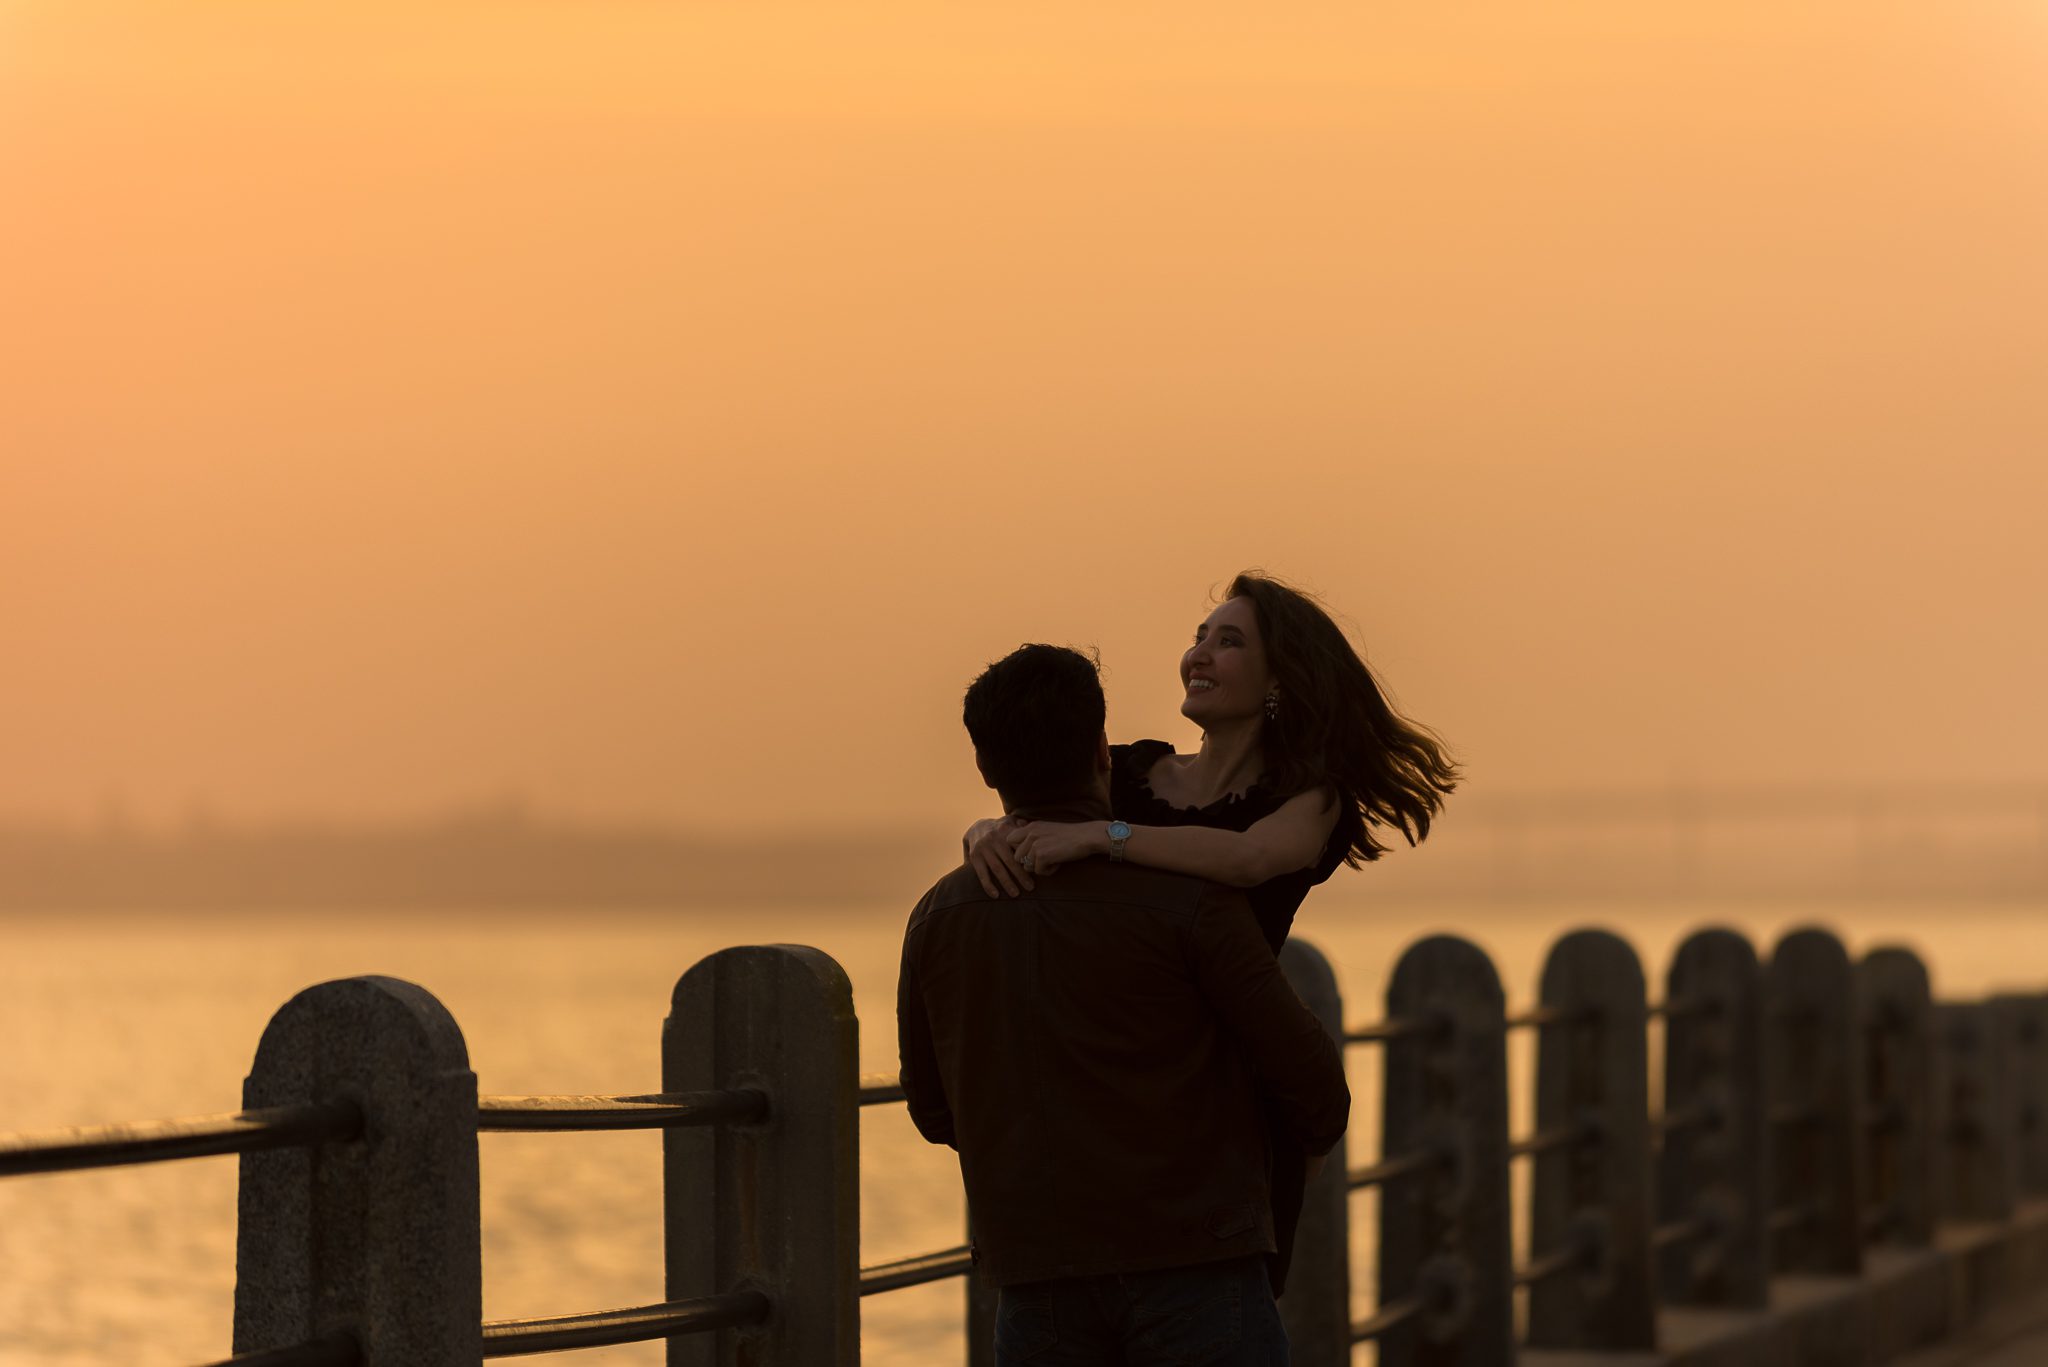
1139	756
1130	778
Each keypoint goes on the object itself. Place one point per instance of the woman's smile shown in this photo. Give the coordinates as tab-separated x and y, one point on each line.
1224	672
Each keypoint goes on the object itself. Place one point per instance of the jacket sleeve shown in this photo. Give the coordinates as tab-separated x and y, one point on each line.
923	1089
1301	1067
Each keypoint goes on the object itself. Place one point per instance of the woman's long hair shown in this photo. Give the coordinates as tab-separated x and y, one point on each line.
1335	728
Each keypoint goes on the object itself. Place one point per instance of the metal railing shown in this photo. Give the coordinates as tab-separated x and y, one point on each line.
1802	1118
340	1122
83	1148
1752	1159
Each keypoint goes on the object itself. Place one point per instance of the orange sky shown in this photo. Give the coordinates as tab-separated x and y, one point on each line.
662	409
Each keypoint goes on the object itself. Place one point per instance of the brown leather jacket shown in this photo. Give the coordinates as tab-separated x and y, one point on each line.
1090	1048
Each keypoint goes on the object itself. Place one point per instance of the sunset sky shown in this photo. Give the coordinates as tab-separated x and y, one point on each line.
661	410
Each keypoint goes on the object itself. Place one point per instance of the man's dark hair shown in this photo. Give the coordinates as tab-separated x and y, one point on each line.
1035	717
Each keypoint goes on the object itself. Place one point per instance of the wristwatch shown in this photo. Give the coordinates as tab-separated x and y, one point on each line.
1118	834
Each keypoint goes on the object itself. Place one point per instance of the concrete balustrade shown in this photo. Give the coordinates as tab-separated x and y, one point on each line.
1592	1072
1841	1168
376	1237
773	1206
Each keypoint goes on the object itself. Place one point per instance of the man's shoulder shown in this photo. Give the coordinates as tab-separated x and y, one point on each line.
951	890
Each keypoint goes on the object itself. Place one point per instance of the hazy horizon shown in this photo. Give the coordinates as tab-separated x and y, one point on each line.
661	413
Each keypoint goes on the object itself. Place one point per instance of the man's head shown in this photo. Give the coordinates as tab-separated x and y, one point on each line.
1035	717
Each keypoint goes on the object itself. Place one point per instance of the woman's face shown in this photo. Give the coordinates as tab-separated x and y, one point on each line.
1225	671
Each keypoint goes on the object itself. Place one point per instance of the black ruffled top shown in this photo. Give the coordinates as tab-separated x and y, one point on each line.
1131	799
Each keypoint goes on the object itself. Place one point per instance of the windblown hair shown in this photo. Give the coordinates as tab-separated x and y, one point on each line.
1336	729
1035	717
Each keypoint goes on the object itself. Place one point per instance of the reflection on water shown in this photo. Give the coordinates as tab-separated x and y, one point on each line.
127	1017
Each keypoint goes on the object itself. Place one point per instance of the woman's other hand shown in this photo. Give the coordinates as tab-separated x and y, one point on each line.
994	862
1042	846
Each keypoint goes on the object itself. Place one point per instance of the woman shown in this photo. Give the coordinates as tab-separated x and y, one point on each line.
1302	763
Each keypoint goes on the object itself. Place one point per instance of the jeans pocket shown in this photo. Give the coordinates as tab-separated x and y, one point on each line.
1025	1325
1191	1317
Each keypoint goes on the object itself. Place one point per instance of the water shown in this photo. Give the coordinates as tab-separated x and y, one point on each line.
126	1017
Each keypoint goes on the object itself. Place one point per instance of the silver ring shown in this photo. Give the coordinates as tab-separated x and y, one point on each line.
1029	864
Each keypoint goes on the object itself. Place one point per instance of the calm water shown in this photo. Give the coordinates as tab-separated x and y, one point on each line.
136	1016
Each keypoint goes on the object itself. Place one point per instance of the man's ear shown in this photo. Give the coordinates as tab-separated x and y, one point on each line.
1102	753
982	769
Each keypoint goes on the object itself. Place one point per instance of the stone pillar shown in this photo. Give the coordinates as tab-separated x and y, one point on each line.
1317	1307
1814	1074
774	1205
1444	1239
1594	1072
981	1314
1713	1172
2026	1030
1900	1102
1975	1139
376	1236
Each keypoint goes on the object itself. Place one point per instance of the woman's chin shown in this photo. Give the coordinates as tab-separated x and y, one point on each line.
1204	713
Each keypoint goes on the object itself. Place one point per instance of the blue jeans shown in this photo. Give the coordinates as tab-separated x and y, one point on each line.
1207	1315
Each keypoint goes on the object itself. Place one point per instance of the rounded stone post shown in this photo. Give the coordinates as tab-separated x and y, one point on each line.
1815	1081
1317	1307
1594	1072
377	1236
981	1314
773	1206
1712	1168
2026	1031
1444	1233
1975	1141
1899	1093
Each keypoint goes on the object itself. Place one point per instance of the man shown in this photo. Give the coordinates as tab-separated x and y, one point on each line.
1095	1050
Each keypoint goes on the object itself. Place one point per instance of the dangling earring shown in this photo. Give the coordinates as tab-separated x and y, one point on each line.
1272	707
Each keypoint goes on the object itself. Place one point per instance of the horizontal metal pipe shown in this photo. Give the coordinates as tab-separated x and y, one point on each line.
879	1089
1539	1016
1387	1169
1677	1007
1792	1217
1385	1319
1790	1113
160	1141
1683	1231
1699	1115
925	1267
1556	1137
1558	1260
654	1111
329	1350
1400	1027
514	1338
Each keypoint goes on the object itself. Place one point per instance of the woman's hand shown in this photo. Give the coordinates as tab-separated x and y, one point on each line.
1042	846
993	861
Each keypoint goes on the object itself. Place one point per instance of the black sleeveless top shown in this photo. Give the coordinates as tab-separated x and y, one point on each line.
1131	799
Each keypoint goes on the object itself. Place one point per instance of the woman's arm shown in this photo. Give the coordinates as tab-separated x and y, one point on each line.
1291	838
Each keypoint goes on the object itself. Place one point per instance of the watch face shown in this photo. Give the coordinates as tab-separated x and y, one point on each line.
1119	831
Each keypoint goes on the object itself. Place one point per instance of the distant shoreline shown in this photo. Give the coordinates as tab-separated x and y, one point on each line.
1499	848
486	861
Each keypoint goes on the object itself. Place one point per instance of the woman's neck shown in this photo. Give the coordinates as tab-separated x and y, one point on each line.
1230	761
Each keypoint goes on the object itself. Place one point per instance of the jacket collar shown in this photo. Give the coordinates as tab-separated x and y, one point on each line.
1071	809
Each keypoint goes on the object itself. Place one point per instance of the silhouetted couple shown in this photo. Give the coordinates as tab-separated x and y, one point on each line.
1107	1052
